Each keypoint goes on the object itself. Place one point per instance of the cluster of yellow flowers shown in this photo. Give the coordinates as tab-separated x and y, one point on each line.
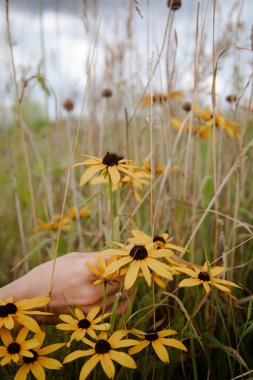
152	258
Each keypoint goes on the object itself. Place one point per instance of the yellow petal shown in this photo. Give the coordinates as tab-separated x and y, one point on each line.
123	359
50	363
28	322
158	267
225	282
173	343
107	366
132	274
22	372
206	287
139	347
89	173
22	335
51	348
216	271
189	282
112	268
164	333
38	371
92	313
161	351
222	287
32	303
88	367
78	354
114	174
6	337
146	272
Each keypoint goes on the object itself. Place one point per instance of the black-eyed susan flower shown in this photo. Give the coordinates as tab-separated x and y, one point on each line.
81	324
14	349
207	277
39	361
73	213
160	98
104	350
203	131
111	165
17	311
52	225
158	168
230	127
161	241
158	340
138	257
100	269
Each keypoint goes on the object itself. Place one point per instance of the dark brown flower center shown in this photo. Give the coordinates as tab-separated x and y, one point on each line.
102	346
111	159
159	238
139	252
151	335
84	323
9	308
13	348
204	276
31	360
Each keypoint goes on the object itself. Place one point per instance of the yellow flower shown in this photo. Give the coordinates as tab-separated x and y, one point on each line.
10	312
203	131
232	128
207	277
142	257
104	350
15	349
83	324
39	361
52	225
160	241
160	98
72	214
111	165
158	168
158	341
143	179
100	269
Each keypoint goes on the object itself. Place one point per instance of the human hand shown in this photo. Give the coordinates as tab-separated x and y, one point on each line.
71	285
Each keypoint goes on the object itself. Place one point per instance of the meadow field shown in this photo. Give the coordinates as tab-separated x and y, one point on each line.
126	131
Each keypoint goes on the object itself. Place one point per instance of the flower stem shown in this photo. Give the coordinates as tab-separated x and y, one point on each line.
112	208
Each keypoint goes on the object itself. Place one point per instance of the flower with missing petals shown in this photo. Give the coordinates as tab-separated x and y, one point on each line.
207	277
158	340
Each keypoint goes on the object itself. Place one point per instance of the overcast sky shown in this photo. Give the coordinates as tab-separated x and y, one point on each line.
59	35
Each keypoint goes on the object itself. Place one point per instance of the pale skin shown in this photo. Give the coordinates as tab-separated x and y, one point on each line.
72	285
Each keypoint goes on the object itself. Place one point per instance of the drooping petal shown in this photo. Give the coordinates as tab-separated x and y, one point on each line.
28	322
114	174
173	343
161	351
38	371
89	366
146	272
89	173
158	267
225	282
122	359
222	287
22	372
107	366
113	267
143	344
132	274
206	287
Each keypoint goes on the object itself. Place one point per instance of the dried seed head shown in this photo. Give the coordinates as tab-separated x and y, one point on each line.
174	4
106	93
231	98
68	105
187	106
